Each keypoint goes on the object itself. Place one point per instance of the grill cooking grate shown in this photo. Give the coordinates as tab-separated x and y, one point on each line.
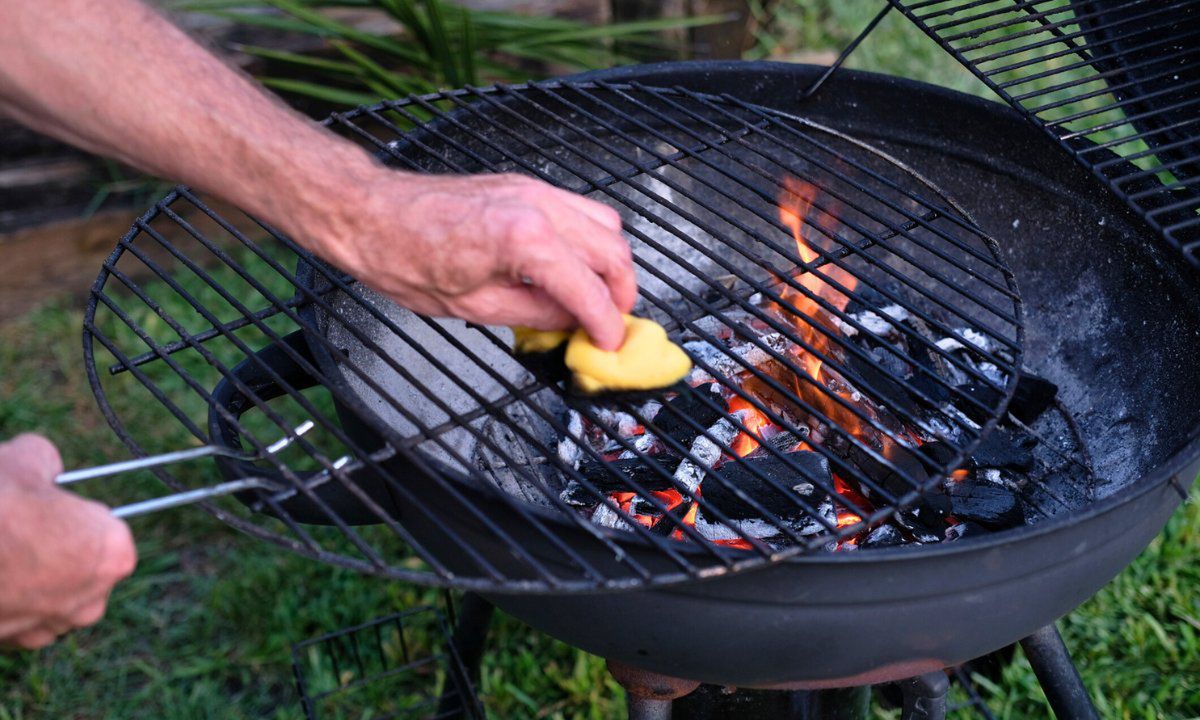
437	456
1116	82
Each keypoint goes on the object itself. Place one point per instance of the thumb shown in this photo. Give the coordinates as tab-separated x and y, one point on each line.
31	458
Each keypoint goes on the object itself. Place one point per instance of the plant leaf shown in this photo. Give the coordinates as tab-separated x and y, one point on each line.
338	96
342	30
298	59
441	42
593	32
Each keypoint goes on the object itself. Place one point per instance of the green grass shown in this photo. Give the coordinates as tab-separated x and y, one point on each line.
205	626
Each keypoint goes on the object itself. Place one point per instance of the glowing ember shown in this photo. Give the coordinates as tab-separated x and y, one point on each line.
754	421
689	519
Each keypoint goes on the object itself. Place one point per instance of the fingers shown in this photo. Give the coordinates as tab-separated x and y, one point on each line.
598	237
34	639
31	457
567	279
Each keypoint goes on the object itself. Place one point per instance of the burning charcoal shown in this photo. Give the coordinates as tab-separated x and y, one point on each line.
613	421
867	298
881	323
1030	398
568	450
785	442
810	469
665	526
690	473
1001	449
965	529
932	383
716	531
883	536
992	506
646	444
606	482
649	409
723	364
605	516
671	420
880	385
928	515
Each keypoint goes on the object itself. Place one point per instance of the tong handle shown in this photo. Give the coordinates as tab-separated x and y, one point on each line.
151	461
187	497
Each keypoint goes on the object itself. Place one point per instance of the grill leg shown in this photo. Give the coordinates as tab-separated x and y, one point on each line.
649	695
925	696
470	637
1051	662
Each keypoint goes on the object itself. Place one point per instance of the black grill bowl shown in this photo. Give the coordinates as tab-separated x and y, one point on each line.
847	619
1094	282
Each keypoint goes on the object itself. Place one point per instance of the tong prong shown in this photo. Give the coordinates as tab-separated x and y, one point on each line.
192	496
179	456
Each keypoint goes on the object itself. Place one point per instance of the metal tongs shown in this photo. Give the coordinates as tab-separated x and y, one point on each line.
192	496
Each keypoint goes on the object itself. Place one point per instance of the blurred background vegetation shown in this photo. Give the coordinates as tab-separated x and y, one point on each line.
204	628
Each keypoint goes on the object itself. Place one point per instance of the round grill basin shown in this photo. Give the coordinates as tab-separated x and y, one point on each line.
765	239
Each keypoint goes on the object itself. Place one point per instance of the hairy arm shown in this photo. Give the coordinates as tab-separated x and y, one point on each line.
118	79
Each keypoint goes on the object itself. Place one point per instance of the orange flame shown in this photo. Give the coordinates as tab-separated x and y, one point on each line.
688	519
755	421
798	212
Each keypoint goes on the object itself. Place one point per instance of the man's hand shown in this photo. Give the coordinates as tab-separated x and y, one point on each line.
493	249
60	555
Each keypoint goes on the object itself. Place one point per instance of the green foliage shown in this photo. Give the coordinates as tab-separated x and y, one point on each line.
434	44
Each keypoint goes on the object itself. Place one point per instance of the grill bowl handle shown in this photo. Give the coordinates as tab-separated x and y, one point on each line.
282	359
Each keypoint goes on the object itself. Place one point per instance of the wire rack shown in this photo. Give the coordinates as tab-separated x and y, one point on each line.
1115	82
436	455
402	666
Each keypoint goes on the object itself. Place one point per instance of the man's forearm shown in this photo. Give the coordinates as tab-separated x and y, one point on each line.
116	78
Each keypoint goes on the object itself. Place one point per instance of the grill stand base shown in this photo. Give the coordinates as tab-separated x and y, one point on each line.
1051	662
473	620
659	697
651	696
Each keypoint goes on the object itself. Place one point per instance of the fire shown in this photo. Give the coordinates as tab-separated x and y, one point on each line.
688	519
813	323
755	421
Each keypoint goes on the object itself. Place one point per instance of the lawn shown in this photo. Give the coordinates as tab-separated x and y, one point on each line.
204	628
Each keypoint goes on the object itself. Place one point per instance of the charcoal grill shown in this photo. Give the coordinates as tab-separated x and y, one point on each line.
213	342
442	424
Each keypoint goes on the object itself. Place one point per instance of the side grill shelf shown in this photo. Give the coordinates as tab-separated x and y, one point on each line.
1115	82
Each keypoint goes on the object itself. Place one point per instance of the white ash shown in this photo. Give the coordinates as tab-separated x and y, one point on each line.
642	444
749	528
763	529
649	409
882	322
605	516
568	450
706	453
725	362
991	372
623	424
964	336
